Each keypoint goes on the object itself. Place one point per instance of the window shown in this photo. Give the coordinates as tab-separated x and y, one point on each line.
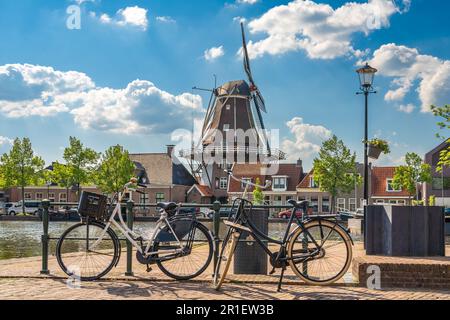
312	183
27	196
159	197
315	204
39	196
279	183
379	202
325	204
244	182
267	200
401	202
144	198
226	127
51	197
390	187
277	201
440	183
228	107
62	197
223	183
341	204
352	204
392	201
289	198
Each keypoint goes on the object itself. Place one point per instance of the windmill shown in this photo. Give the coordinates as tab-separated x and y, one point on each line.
234	107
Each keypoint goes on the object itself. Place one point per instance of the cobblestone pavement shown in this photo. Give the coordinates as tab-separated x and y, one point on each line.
51	289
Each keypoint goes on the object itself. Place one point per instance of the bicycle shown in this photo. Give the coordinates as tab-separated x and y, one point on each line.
318	250
180	246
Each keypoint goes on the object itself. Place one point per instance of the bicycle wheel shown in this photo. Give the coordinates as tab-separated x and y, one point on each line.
79	256
324	263
198	245
226	256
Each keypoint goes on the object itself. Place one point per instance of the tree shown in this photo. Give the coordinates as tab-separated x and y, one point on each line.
62	175
444	113
410	176
81	162
258	196
335	169
115	170
20	167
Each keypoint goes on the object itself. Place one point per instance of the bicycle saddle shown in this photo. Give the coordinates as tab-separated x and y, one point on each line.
298	204
167	206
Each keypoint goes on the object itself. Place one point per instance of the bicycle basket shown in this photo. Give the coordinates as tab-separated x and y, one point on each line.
92	205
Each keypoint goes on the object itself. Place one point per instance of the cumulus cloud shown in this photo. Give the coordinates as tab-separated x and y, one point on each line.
129	16
165	19
141	107
307	140
5	141
247	1
406	108
213	53
317	28
407	66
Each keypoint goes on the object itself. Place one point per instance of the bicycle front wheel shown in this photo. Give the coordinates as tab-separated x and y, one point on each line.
225	257
197	247
321	253
86	251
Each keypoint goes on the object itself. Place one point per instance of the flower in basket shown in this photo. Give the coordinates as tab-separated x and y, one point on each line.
380	144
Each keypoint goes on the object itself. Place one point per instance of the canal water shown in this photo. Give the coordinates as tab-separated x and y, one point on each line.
19	239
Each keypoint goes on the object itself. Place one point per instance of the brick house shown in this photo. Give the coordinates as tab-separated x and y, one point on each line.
282	189
308	189
440	186
383	192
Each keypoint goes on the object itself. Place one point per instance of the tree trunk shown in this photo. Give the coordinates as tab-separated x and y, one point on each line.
332	205
23	200
78	192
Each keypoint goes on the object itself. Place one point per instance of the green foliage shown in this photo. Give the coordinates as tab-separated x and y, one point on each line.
432	201
21	167
335	168
383	145
415	172
115	170
80	162
258	196
444	113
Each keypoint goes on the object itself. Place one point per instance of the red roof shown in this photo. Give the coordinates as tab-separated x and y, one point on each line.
205	191
379	178
305	182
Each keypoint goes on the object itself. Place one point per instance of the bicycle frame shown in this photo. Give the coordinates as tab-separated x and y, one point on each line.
130	235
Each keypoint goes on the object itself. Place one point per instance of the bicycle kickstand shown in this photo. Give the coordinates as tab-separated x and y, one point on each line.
281	279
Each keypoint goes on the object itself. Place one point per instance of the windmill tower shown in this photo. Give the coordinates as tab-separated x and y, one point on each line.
233	131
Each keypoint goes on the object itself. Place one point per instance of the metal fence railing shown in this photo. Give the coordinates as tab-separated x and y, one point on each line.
130	206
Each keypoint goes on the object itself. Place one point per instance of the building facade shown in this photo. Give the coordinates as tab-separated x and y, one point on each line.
383	192
440	185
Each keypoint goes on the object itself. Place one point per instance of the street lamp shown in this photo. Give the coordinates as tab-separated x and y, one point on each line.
366	75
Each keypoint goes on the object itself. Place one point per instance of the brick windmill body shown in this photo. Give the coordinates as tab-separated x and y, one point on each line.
233	132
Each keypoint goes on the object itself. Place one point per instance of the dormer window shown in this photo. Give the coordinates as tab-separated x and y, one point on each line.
312	183
279	183
244	182
390	186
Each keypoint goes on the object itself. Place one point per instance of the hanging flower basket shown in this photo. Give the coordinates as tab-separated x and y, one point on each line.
377	147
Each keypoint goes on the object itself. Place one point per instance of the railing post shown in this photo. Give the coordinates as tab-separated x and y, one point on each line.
44	237
216	229
130	218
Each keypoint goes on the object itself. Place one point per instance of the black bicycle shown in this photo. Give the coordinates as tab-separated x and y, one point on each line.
318	250
180	246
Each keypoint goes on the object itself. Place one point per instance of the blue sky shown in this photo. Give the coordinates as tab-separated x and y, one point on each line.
136	61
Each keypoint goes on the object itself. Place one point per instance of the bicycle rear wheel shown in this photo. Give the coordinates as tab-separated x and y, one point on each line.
324	263
198	245
81	256
225	257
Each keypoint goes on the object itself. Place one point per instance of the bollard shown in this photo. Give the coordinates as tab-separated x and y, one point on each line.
216	228
45	238
130	217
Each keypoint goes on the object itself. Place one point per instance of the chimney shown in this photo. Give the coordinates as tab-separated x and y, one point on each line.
170	148
299	163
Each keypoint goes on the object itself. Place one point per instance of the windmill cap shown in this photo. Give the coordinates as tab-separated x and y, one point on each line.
238	87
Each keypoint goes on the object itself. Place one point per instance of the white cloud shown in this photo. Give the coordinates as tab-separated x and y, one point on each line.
5	141
141	107
307	140
213	53
129	16
247	1
317	28
406	108
407	66
165	19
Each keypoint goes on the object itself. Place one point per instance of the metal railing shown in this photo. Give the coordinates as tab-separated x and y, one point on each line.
130	205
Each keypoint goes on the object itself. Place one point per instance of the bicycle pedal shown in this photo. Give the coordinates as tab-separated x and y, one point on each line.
272	271
149	268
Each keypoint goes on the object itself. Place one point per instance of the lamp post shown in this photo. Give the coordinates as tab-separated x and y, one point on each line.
366	75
